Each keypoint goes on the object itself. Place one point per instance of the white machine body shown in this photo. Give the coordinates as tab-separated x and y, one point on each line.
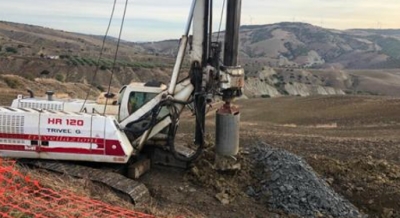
60	135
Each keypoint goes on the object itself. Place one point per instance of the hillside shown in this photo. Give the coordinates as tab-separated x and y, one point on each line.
33	51
273	82
279	59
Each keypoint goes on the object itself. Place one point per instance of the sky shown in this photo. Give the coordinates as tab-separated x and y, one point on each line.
152	20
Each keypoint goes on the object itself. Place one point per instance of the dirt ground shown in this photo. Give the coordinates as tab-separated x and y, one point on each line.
353	142
350	141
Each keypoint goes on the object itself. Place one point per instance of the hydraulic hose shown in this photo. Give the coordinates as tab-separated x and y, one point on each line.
171	140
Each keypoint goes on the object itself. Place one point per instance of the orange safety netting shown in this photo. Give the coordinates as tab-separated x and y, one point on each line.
20	196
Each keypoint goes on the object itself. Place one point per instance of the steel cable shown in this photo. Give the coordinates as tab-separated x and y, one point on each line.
100	55
116	53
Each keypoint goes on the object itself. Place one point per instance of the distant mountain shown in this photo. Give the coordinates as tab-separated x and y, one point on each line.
311	46
386	32
304	45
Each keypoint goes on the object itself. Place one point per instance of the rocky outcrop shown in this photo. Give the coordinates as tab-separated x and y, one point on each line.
257	88
269	83
307	90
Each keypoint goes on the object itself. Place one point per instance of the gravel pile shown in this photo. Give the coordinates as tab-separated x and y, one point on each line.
288	183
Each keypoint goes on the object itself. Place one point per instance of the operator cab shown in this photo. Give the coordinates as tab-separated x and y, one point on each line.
135	95
132	100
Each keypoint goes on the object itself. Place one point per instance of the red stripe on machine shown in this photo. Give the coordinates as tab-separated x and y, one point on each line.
100	142
53	150
71	150
113	148
16	148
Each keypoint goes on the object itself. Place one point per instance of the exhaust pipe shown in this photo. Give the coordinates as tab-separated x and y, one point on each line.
50	95
31	95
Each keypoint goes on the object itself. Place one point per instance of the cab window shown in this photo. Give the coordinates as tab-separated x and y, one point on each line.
138	99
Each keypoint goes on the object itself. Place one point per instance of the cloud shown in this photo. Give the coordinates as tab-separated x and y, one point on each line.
341	14
157	19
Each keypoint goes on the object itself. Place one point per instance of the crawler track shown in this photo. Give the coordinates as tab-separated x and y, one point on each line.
134	190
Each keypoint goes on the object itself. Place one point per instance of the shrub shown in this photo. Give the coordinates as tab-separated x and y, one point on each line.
45	72
91	61
87	61
60	77
74	62
64	56
284	92
99	87
30	77
265	96
102	67
11	82
11	50
80	61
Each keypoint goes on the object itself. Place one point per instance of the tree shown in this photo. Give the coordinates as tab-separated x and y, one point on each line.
44	73
102	67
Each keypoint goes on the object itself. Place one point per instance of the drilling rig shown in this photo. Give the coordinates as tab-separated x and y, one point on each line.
148	114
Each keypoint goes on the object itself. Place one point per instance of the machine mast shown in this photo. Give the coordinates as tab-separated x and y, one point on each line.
206	70
231	49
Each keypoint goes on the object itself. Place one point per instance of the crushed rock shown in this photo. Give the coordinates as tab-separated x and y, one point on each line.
288	183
